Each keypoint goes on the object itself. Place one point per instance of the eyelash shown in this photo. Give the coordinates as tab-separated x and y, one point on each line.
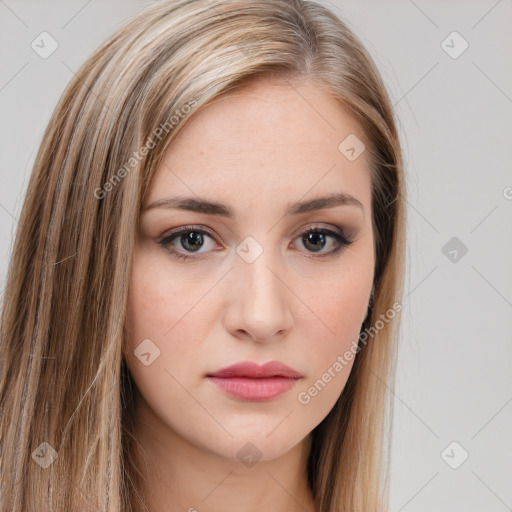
166	241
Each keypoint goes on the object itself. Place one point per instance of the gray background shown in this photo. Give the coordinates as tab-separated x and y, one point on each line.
454	379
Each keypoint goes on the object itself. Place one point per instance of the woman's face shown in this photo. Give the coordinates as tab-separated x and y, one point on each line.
256	284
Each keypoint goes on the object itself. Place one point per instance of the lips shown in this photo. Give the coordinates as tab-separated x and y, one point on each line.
255	371
251	382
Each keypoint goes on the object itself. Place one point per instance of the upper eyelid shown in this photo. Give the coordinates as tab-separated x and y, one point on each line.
311	227
186	229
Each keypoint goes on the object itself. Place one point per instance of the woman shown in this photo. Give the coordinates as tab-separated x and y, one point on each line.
202	304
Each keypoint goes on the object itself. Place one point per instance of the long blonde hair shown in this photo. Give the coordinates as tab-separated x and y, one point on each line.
66	396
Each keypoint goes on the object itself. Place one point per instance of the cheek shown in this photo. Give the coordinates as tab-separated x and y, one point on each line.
159	302
340	308
346	304
166	318
145	310
337	303
160	322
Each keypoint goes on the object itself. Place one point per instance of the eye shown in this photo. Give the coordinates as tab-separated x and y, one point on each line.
189	238
316	239
192	239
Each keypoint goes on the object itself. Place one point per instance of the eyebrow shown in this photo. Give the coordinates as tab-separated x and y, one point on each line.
201	205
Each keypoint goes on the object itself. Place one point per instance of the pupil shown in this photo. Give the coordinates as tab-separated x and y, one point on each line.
194	239
314	237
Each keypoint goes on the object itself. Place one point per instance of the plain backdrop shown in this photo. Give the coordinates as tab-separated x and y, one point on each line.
447	68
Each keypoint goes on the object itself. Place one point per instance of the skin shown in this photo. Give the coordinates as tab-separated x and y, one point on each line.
256	150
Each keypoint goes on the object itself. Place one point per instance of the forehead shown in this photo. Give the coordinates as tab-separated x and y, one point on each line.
268	140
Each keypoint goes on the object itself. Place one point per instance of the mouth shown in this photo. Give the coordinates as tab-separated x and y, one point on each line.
251	382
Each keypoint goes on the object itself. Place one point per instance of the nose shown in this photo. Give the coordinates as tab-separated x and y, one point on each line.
259	303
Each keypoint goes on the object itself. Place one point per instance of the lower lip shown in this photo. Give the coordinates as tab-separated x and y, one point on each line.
254	390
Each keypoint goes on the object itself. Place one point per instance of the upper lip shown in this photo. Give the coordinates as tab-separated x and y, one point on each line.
254	370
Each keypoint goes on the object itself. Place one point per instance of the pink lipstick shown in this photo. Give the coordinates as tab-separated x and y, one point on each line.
252	382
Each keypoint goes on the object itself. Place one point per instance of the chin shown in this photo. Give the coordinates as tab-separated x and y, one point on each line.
249	447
